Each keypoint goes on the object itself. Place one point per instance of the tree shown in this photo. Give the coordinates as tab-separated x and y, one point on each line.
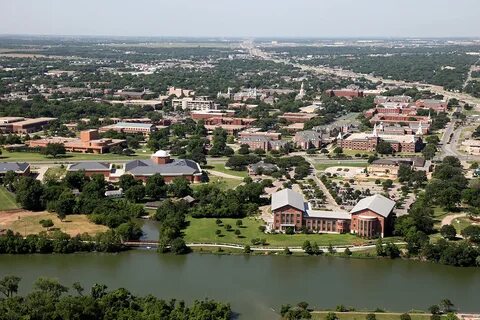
338	150
239	223
29	193
218	232
76	179
429	151
287	251
9	285
405	316
178	246
331	316
244	149
384	147
370	316
50	286
135	193
78	287
155	187
46	223
238	232
9	180
247	249
472	233
434	309
65	204
127	181
446	305
180	187
448	231
54	149
347	252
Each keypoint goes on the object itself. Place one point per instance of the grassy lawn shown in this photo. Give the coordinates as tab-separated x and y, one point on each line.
54	173
32	156
323	166
7	200
461	223
438	215
203	230
362	315
29	223
220	167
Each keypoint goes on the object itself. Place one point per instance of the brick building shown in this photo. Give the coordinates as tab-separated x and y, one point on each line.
371	217
129	127
345	93
22	125
307	139
89	142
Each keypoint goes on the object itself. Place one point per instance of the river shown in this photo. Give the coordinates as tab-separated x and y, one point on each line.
256	285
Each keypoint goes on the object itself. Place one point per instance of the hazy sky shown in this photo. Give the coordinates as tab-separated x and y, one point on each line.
252	18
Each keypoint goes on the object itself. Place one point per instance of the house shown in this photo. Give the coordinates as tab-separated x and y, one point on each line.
307	139
261	167
20	168
437	105
371	217
472	146
92	168
168	168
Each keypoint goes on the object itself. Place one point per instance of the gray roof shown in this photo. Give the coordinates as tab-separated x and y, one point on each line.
89	166
287	197
309	135
174	168
329	214
13	166
134	125
263	165
254	139
377	203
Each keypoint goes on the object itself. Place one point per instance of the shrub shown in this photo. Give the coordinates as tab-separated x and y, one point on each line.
370	316
405	316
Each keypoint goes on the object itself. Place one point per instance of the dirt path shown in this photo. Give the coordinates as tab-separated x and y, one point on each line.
448	219
224	175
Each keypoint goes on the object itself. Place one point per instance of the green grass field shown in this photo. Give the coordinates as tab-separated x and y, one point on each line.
224	183
361	315
203	230
220	167
32	157
7	200
340	163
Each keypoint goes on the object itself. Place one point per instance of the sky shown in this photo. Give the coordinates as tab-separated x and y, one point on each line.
243	18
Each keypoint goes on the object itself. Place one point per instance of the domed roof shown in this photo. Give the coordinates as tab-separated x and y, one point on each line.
161	153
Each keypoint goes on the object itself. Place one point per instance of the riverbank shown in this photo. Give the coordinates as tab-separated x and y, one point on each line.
361	315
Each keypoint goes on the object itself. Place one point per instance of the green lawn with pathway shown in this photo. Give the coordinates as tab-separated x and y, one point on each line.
202	230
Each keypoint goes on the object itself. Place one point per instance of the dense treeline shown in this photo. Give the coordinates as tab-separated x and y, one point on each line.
446	189
51	300
59	242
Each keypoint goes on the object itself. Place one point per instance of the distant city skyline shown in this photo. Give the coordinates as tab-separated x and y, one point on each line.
243	18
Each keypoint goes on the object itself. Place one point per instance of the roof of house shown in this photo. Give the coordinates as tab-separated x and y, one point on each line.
176	167
287	197
263	165
329	214
377	203
89	166
13	166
